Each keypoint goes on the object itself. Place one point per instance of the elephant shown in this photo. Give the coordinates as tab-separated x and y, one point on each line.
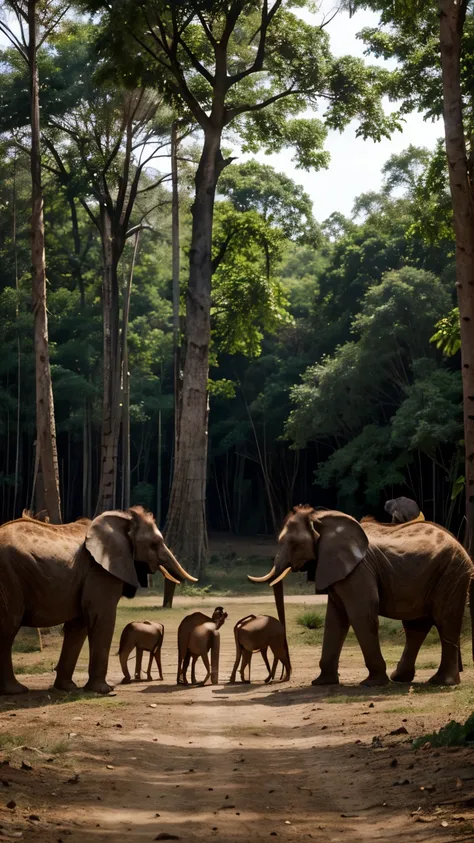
74	574
403	510
415	572
197	634
255	634
143	635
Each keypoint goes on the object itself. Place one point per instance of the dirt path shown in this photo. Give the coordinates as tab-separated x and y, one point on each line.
232	763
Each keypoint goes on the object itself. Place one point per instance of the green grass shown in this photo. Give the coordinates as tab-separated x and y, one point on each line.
25	645
37	668
453	734
311	619
11	741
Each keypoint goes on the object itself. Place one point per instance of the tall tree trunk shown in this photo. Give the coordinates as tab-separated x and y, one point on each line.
45	424
186	525
452	18
18	349
175	276
126	381
111	413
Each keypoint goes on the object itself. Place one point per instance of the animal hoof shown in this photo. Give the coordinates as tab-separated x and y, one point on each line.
326	679
439	679
98	687
126	680
13	687
375	681
402	676
65	685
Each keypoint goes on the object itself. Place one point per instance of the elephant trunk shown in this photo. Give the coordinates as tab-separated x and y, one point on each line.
215	649
168	594
279	595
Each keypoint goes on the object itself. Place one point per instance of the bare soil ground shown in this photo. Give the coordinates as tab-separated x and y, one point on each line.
233	763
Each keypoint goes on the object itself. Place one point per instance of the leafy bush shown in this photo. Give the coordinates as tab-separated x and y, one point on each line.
310	619
453	734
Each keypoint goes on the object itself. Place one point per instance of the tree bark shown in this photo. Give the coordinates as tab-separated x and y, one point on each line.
452	17
186	525
45	423
111	417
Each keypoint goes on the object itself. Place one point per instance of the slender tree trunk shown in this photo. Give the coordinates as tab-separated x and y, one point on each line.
126	381
452	17
18	349
111	413
175	281
186	526
45	423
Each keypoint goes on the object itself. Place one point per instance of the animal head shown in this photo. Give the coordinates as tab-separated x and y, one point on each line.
325	543
130	546
403	510
219	616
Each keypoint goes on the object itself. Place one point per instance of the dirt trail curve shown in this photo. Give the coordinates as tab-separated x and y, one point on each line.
230	763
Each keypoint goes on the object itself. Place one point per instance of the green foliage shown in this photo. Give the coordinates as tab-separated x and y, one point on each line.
447	336
310	619
453	734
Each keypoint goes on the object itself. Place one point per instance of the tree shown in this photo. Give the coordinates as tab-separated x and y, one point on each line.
433	43
252	66
36	21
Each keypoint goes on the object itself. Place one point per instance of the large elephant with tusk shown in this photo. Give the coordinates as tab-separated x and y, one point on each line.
416	572
75	574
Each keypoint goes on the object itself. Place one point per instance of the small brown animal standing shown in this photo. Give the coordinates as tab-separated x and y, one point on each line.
144	636
255	634
197	634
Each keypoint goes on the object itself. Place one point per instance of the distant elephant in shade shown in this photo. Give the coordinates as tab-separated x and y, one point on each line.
144	636
415	572
75	574
403	510
256	634
197	634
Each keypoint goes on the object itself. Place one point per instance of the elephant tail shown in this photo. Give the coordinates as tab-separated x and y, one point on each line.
471	610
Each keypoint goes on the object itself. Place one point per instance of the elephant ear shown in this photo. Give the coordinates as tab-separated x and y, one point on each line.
342	545
108	542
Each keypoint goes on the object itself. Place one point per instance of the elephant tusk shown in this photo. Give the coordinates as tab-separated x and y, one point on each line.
167	575
262	579
281	577
184	573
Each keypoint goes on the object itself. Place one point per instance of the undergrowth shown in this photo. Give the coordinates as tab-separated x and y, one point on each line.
453	734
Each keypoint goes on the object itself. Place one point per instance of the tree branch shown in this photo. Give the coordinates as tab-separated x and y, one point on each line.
241	109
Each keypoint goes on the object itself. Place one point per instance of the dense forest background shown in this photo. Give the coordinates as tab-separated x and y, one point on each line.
335	374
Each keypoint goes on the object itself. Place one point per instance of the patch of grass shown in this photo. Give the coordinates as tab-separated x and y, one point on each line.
38	668
58	747
11	741
311	619
25	645
453	734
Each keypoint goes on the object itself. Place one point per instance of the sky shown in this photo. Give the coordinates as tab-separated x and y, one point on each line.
356	164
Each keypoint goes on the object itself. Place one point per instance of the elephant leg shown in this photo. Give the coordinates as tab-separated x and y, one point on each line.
207	665
267	665
236	666
157	655
415	633
148	670
460	665
186	660
336	627
246	662
448	671
138	665
100	639
8	683
273	670
75	633
366	627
